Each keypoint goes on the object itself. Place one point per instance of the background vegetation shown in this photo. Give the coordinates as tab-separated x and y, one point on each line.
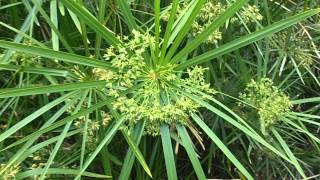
141	89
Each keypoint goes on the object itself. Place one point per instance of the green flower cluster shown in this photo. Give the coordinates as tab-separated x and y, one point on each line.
153	93
268	99
290	44
10	173
93	127
250	14
209	12
128	58
25	59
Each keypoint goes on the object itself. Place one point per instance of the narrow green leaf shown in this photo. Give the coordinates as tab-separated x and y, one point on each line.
26	91
182	33
34	172
101	17
168	152
126	13
20	33
28	22
113	129
35	70
229	119
16	158
33	116
221	146
209	30
164	45
248	39
61	139
75	20
289	152
307	100
31	150
91	21
187	143
48	53
52	25
85	131
157	26
129	159
137	153
62	122
315	138
10	5
54	19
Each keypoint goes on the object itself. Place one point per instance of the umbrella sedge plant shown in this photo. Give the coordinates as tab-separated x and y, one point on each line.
132	89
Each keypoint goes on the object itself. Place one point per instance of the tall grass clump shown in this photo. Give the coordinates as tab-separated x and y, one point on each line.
191	89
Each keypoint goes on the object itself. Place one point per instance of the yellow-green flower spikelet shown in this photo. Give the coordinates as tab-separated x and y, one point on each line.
270	102
154	96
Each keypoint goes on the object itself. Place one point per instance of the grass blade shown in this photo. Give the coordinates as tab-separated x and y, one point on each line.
36	70
134	148
48	53
62	122
208	31
187	143
91	21
164	45
35	172
104	142
221	146
289	152
33	116
26	91
182	33
54	19
126	13
168	152
28	22
129	159
248	39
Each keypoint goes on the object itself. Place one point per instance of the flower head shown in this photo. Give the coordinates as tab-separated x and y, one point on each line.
156	100
270	102
10	173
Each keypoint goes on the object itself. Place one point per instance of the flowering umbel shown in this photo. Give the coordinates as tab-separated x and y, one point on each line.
270	102
289	44
10	173
154	95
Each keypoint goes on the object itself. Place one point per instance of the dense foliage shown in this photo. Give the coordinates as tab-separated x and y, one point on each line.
161	89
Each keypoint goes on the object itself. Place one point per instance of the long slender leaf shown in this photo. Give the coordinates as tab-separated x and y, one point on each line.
35	70
62	56
62	122
104	142
175	5
34	172
289	152
186	142
127	14
168	153
26	91
28	22
33	116
91	21
208	31
129	159
221	146
137	153
184	30
248	39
